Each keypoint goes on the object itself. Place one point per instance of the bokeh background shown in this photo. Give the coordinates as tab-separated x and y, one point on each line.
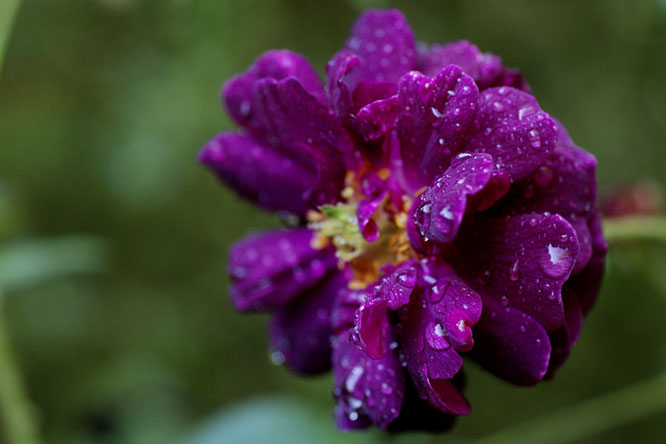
113	240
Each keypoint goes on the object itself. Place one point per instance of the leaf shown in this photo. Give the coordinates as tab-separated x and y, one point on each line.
28	262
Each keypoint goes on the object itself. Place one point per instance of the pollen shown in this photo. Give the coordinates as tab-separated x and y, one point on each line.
338	225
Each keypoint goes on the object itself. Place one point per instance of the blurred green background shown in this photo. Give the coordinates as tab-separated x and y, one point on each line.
113	240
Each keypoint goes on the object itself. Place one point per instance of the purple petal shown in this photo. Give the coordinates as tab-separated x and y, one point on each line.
294	122
436	114
511	344
260	173
520	261
371	321
565	185
585	285
564	338
486	69
418	415
368	92
338	92
514	130
436	320
300	331
272	268
367	390
276	64
441	208
376	191
385	46
453	301
376	118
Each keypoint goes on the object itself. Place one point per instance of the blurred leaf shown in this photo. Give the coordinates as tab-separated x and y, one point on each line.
28	262
8	9
273	420
10	216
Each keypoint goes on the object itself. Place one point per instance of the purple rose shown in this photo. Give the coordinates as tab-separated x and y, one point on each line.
441	213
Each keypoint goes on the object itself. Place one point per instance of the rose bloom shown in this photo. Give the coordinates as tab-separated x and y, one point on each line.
432	209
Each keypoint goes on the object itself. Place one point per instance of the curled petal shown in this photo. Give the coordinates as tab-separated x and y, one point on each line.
261	174
585	285
564	338
337	90
237	93
435	116
385	45
520	261
271	269
295	123
565	184
300	331
486	69
371	321
443	205
376	118
514	130
418	414
511	344
436	322
376	191
367	390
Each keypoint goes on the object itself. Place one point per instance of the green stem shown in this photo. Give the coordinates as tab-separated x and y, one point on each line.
647	228
590	417
15	410
8	10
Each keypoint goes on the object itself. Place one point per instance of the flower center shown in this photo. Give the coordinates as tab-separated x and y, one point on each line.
338	225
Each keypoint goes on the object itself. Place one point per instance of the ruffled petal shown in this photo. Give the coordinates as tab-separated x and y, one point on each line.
338	92
272	268
376	191
300	332
520	261
442	207
564	338
436	114
436	322
372	327
512	128
485	68
418	415
261	174
295	123
237	93
565	184
385	46
585	285
511	344
366	390
376	118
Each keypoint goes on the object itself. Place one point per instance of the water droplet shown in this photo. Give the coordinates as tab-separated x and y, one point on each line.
245	108
407	278
437	113
556	262
497	106
353	378
535	138
446	213
514	273
277	357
